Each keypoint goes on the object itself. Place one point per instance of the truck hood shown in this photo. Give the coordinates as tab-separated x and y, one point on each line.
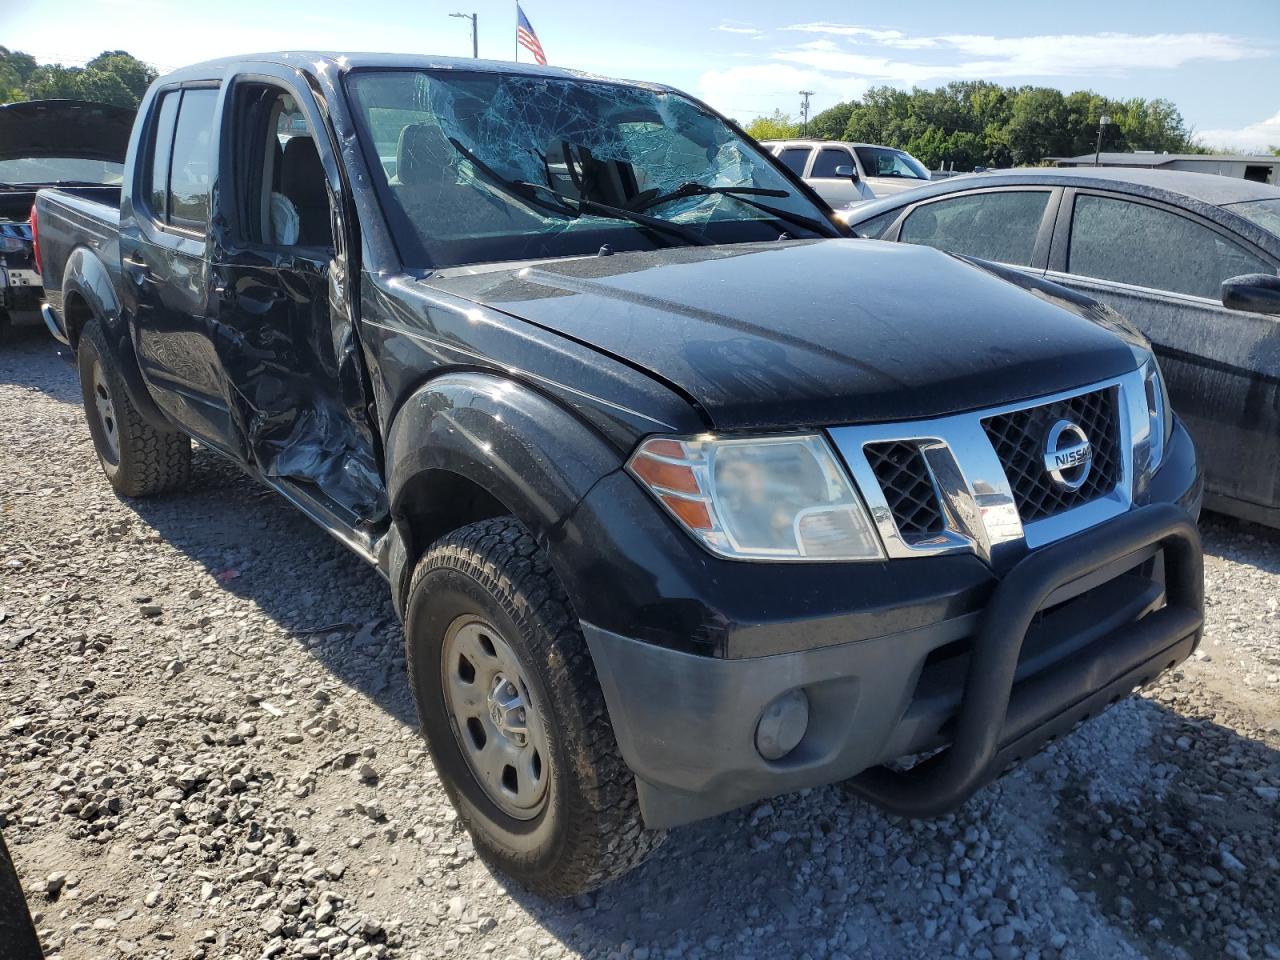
823	332
65	128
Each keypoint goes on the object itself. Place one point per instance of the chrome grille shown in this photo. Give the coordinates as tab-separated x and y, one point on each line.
908	489
1019	441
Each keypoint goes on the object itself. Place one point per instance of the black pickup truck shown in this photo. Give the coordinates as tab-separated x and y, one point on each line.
686	498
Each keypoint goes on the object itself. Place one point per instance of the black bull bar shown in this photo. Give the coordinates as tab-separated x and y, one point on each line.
998	723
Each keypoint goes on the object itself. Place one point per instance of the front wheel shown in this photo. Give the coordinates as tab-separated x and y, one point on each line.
514	716
138	459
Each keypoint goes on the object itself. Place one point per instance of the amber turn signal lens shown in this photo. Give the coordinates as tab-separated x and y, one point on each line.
671	476
692	513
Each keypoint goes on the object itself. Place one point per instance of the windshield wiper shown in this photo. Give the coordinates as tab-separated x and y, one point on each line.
567	206
744	195
619	213
513	188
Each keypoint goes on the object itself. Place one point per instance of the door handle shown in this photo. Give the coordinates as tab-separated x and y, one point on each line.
138	269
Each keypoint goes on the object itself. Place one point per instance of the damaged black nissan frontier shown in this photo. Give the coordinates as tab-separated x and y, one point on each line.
686	497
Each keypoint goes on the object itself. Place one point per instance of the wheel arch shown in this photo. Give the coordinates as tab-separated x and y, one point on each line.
467	446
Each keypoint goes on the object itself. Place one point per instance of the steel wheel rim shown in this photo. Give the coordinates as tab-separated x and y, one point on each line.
106	410
496	722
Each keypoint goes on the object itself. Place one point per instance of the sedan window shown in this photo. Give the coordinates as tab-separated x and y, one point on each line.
998	226
1145	246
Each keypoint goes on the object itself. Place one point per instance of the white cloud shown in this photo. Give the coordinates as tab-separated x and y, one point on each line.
895	38
748	91
739	27
974	56
1255	136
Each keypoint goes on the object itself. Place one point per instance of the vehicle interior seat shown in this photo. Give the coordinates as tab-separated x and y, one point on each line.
302	184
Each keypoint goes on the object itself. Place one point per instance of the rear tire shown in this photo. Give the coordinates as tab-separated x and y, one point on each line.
138	459
563	823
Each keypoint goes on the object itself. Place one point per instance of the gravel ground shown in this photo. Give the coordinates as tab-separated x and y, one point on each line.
208	749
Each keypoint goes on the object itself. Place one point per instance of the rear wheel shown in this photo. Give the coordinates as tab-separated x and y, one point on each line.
138	459
514	716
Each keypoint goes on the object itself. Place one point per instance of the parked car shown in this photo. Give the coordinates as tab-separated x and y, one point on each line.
844	173
48	143
1190	258
666	537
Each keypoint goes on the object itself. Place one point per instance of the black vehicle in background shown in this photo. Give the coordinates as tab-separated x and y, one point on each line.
1190	258
685	497
48	143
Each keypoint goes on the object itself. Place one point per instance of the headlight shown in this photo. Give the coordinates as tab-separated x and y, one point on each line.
767	498
1159	416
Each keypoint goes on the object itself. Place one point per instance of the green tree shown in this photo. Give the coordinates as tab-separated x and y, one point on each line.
830	124
776	126
976	122
113	77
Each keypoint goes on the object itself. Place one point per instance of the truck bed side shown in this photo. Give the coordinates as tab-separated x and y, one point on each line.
74	217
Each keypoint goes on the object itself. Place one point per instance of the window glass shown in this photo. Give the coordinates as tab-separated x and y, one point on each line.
884	162
873	228
480	167
1149	247
828	159
161	141
42	170
1264	213
990	226
794	159
192	154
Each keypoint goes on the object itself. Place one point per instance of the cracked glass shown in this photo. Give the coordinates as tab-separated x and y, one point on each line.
478	167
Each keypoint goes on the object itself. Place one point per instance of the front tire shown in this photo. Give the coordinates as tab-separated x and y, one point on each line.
138	459
514	716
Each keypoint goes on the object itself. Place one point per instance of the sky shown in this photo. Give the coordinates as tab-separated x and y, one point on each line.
1218	62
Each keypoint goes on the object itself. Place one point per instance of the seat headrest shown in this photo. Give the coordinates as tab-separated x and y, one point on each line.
423	154
301	175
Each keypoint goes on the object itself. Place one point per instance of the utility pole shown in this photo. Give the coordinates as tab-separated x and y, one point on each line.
1097	151
475	31
804	110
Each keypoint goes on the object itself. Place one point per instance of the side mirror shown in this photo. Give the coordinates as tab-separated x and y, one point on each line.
847	170
1253	292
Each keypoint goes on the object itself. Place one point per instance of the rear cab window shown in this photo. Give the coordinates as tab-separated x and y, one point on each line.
795	159
180	157
829	158
1000	226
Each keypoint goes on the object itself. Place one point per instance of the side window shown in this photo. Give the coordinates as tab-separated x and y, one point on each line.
990	226
161	142
873	228
1134	243
794	159
189	165
828	159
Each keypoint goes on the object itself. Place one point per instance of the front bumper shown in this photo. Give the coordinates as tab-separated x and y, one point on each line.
1070	629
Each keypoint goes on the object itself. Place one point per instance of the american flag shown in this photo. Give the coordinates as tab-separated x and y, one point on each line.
527	38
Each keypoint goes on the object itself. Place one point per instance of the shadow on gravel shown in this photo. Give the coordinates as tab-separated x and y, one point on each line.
29	357
1241	541
258	547
1175	856
1190	866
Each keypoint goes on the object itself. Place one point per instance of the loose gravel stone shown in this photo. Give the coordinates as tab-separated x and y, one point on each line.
238	774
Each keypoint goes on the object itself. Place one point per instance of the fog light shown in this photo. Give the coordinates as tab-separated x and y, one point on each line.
782	725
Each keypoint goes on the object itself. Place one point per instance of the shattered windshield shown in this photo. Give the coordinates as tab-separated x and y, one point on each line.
483	167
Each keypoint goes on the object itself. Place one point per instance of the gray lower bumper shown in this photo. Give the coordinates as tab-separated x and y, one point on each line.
686	724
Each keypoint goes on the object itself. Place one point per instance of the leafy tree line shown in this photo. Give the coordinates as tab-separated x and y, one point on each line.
978	123
113	76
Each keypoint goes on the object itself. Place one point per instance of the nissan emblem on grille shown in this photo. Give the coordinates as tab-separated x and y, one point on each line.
1068	455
